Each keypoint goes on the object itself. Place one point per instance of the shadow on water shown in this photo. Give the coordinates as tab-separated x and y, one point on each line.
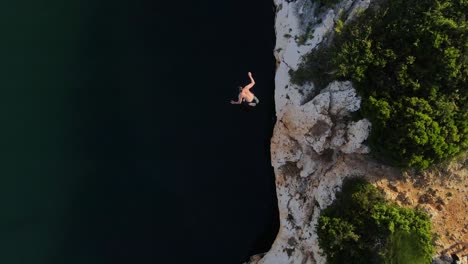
168	171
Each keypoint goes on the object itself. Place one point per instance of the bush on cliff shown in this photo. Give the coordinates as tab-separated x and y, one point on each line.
361	227
409	62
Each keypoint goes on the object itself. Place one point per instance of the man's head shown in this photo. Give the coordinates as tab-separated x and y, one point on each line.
240	88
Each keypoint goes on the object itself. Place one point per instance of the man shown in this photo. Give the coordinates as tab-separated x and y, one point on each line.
245	96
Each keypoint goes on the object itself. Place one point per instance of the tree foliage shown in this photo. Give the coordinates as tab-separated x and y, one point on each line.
409	61
361	227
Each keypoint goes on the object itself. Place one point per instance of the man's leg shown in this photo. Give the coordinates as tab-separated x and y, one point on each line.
255	101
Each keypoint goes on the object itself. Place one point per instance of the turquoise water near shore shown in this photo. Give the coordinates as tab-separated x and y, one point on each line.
119	144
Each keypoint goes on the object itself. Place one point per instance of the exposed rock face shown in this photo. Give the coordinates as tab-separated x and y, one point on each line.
313	133
315	143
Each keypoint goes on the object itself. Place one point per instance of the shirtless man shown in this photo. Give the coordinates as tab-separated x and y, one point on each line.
245	96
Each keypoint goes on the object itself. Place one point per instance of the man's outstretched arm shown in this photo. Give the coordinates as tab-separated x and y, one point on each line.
252	82
250	76
238	102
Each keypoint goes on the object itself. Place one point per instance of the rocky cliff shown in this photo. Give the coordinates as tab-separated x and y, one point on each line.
315	143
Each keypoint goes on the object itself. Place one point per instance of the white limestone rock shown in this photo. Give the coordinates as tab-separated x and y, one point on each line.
357	133
306	131
342	98
288	52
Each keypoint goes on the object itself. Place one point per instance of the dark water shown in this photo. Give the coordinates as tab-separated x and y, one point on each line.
118	141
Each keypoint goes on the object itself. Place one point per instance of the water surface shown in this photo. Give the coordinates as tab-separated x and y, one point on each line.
119	144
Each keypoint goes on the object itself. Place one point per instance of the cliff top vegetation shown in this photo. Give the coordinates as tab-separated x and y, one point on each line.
409	62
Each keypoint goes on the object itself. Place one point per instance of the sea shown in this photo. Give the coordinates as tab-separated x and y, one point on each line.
118	142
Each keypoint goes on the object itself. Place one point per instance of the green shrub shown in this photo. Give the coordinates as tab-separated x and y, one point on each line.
362	227
409	63
339	26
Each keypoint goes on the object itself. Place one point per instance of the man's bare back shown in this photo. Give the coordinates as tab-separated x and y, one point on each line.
245	95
